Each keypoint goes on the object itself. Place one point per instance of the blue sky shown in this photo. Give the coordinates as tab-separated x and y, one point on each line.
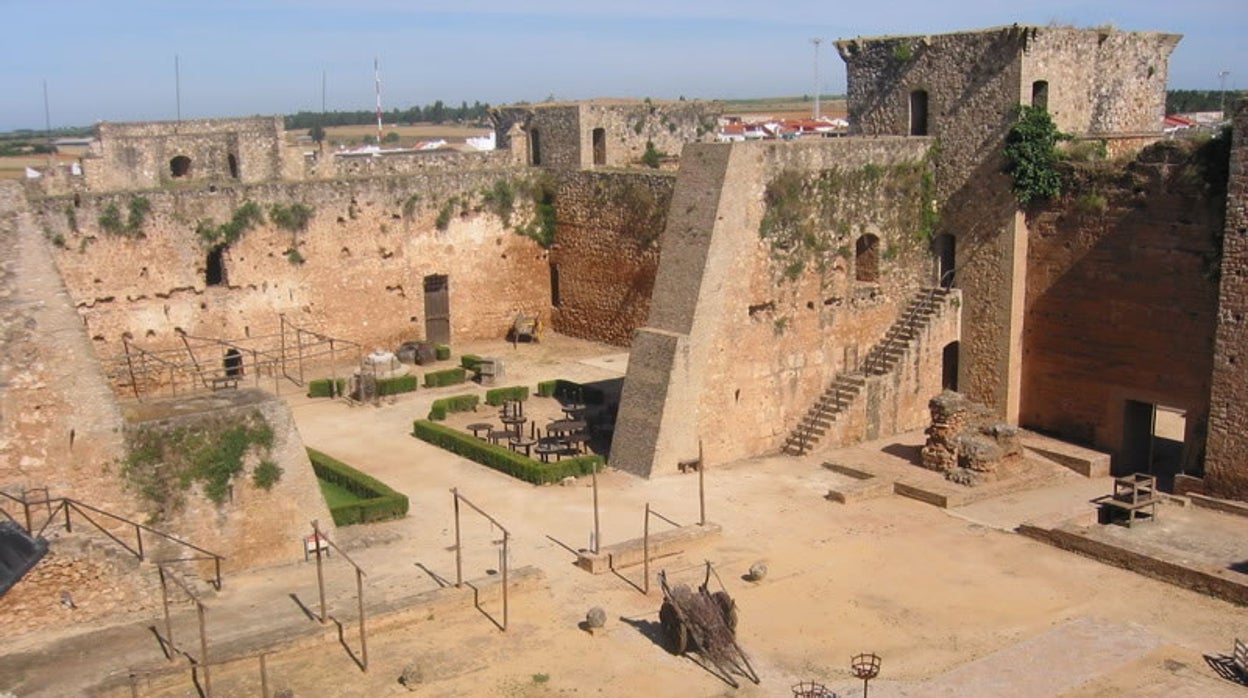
114	59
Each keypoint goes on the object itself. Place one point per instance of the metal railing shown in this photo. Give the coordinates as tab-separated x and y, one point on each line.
879	355
55	506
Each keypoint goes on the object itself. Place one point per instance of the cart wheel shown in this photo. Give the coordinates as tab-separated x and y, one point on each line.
674	630
728	607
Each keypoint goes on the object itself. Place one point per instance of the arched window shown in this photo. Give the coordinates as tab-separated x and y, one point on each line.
945	246
867	258
180	166
1040	94
918	113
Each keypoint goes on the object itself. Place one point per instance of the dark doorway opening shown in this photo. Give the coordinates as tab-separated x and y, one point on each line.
1040	94
232	162
867	258
214	271
233	363
1153	439
554	286
918	113
946	252
535	147
437	309
600	146
949	367
180	166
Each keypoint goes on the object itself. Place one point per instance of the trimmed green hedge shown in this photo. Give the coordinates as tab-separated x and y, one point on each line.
451	376
470	362
396	385
322	387
378	501
568	390
498	396
501	458
441	352
454	403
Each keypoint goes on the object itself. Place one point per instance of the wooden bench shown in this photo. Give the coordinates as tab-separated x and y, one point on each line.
222	382
1133	494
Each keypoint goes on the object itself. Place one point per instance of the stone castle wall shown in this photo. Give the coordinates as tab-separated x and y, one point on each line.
1226	462
566	132
606	251
737	345
364	256
1121	301
140	155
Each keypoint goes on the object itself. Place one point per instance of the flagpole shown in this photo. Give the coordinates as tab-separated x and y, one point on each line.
377	77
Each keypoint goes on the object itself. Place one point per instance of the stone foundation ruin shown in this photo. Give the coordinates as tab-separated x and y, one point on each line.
968	442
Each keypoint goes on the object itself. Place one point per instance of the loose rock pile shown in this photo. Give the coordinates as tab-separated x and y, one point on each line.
967	442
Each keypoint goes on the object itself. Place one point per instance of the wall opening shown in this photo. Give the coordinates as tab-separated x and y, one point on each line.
233	164
233	363
180	166
867	258
918	113
946	253
438	309
949	367
1040	94
600	146
555	300
214	271
1153	439
535	147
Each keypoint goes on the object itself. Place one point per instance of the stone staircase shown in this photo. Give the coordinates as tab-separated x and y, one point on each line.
882	359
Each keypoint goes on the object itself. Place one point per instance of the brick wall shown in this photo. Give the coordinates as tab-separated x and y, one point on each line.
607	250
1226	463
1121	299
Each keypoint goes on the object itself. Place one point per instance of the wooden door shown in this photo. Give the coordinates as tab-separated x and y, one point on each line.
437	309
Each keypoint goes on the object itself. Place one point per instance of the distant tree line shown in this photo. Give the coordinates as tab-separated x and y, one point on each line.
437	113
1184	101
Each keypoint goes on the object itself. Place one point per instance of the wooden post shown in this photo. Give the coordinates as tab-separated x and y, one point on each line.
203	648
164	602
320	575
299	343
333	372
134	384
597	532
459	559
282	341
264	678
138	534
645	551
359	592
504	566
701	485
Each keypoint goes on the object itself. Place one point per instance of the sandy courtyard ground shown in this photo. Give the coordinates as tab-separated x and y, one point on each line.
953	603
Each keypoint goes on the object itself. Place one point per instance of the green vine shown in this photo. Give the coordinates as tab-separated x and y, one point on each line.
1031	155
164	462
293	218
246	217
111	220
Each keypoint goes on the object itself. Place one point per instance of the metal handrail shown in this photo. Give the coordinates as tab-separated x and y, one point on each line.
67	504
877	356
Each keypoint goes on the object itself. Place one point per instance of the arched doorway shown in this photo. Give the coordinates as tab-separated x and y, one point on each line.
945	247
867	259
180	167
535	147
214	271
1040	94
949	366
600	146
233	363
232	162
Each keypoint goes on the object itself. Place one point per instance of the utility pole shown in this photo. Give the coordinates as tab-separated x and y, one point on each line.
177	86
47	121
1222	88
816	41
